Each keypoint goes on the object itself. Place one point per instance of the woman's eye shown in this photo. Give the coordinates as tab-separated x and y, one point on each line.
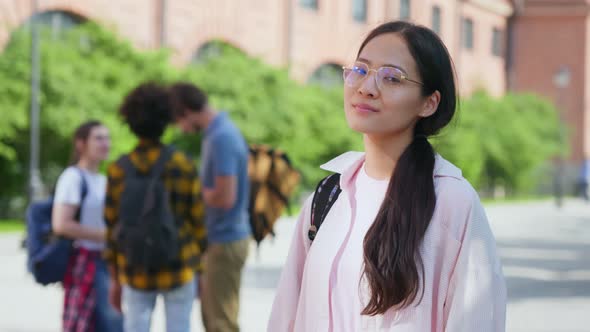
391	79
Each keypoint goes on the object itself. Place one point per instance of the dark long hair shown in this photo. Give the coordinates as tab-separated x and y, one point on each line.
393	266
82	133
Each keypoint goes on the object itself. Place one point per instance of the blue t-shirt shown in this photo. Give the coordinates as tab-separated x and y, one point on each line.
225	153
585	171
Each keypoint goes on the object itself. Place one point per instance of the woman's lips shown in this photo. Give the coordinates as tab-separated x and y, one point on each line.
364	108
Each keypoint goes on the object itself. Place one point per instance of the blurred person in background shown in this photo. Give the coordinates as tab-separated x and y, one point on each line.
584	179
224	174
155	224
78	214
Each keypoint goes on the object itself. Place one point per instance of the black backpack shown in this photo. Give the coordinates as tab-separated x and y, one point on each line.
325	195
147	232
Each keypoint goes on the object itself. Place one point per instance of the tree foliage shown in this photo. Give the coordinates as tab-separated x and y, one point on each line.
87	71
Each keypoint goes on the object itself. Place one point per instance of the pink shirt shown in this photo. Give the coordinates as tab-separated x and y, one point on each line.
321	289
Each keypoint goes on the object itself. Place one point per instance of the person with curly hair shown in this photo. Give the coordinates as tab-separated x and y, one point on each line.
143	225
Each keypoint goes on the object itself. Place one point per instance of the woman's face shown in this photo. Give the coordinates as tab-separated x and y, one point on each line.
384	103
97	145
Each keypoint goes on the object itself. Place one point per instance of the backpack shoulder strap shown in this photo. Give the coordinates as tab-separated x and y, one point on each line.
129	168
325	195
127	165
159	166
83	192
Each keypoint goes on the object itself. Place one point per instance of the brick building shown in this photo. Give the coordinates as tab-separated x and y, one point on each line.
498	45
550	55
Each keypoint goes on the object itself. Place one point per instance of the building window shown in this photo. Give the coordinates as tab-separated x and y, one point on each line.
467	33
436	19
312	4
327	76
359	10
214	49
57	21
404	10
208	51
497	42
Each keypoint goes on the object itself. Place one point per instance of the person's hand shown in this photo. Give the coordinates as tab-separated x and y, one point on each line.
199	285
115	295
207	194
100	235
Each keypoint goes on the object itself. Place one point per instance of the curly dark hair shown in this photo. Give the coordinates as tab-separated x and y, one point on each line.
147	110
187	97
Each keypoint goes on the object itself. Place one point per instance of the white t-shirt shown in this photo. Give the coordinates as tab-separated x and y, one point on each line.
67	191
369	197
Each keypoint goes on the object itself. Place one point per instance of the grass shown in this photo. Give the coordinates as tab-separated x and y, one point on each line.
11	226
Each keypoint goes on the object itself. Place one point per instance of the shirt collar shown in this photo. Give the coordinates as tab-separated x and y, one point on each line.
348	163
147	143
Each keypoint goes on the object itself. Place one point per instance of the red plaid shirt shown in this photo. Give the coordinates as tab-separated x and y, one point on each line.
80	295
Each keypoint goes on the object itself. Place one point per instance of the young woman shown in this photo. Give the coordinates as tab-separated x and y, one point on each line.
78	214
406	245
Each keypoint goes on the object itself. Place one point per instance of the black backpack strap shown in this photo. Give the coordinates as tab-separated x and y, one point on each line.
160	165
127	165
325	195
83	193
157	169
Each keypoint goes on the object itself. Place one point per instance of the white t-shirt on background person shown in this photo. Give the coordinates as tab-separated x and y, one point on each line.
68	191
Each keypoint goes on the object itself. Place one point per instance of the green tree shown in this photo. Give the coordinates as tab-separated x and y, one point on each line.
87	72
84	75
503	141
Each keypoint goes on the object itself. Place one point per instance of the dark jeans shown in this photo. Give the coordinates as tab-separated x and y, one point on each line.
583	190
106	317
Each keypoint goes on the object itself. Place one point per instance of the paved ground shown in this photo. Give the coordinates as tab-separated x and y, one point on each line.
545	251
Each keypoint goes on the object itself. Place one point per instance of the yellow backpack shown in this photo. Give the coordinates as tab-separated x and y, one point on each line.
273	180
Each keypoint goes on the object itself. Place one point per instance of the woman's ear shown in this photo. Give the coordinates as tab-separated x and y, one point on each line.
430	104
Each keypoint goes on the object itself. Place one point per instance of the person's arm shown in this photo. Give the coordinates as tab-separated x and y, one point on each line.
64	224
67	202
111	215
284	308
225	160
115	290
114	189
476	299
224	193
196	209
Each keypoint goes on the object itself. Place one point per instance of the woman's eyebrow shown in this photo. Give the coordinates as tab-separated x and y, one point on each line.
368	62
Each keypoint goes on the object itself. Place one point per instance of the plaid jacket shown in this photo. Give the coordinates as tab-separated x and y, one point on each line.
180	178
80	294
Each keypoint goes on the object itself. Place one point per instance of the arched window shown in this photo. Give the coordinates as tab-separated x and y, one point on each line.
57	21
212	49
327	75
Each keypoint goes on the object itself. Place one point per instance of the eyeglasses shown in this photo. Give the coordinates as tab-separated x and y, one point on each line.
385	77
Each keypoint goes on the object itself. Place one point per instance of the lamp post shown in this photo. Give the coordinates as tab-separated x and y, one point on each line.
163	18
35	184
561	80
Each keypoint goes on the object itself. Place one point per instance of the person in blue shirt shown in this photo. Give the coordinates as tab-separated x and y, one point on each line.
584	179
224	177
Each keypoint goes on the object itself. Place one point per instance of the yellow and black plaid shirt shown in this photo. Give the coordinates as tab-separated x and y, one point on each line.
180	178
